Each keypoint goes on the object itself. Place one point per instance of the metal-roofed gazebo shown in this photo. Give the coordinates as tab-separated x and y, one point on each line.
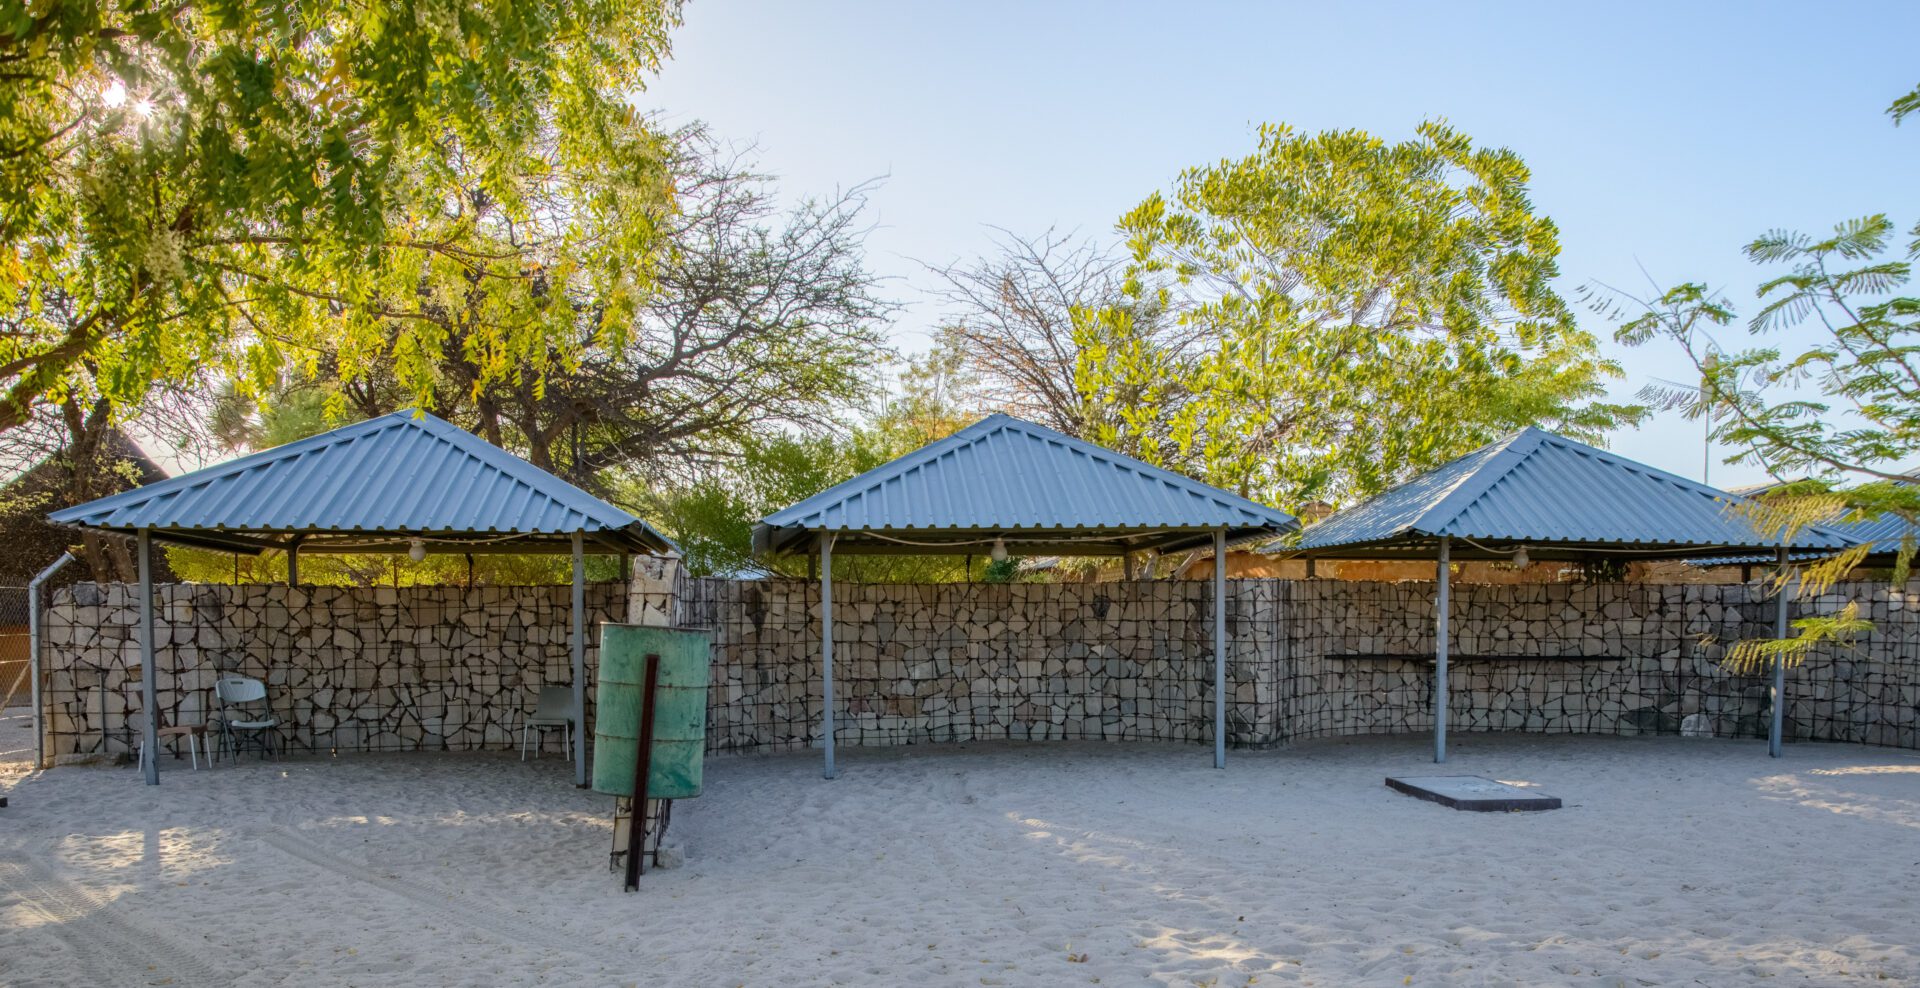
1886	532
1537	495
1005	482
403	482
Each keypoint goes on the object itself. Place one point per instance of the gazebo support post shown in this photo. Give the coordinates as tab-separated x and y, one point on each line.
34	635
149	704
826	649
1444	579
1776	731
293	561
1219	648
580	662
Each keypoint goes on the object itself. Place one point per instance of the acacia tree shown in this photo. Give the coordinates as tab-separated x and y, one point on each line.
756	321
1012	323
1839	414
196	185
759	320
711	514
71	456
1369	310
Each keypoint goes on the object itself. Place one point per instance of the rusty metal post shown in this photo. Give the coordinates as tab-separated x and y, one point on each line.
642	769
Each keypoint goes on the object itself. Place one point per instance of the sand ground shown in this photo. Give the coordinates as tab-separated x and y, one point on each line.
1674	863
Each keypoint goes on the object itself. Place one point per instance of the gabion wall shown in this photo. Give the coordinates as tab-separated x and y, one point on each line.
444	667
349	669
1320	658
918	664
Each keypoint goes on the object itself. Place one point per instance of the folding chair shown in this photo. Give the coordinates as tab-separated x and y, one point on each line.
246	718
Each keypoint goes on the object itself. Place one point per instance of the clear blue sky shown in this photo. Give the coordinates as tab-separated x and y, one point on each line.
1658	137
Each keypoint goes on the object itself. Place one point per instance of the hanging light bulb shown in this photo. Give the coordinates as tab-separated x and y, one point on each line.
1520	558
999	551
417	550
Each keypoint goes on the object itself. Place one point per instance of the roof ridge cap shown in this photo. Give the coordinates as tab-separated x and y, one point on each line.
1503	455
912	459
1134	464
511	465
997	422
1700	488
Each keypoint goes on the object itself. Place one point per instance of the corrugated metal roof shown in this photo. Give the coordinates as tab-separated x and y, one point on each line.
1885	532
398	474
1538	488
1003	474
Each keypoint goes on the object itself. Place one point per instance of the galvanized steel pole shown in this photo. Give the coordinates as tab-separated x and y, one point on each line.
1775	731
826	648
1444	576
1219	648
579	661
33	655
148	703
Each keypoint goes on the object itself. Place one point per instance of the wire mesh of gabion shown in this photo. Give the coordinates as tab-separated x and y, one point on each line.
384	669
1589	657
346	669
963	662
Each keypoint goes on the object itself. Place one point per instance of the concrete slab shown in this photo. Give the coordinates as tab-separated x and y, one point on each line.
1471	792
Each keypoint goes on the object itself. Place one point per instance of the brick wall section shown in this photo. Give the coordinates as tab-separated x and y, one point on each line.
387	669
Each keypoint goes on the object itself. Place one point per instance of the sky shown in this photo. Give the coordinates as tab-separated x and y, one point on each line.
1661	137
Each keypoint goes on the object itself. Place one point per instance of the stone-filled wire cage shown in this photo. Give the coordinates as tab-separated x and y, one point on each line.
1866	690
927	663
430	668
1606	658
346	669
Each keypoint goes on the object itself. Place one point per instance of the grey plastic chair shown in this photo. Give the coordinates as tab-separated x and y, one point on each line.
553	712
246	719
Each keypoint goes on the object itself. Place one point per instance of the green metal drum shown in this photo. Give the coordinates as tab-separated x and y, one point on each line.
679	709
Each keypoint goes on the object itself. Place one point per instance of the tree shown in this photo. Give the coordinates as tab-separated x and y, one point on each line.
191	184
1840	414
76	450
755	322
1843	412
711	516
1012	325
1369	310
65	459
1845	409
1901	108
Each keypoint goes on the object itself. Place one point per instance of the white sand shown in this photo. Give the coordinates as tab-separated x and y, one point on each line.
1674	862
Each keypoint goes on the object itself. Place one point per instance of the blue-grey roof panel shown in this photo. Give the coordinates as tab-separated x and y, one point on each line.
1534	486
405	472
1002	473
1885	533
